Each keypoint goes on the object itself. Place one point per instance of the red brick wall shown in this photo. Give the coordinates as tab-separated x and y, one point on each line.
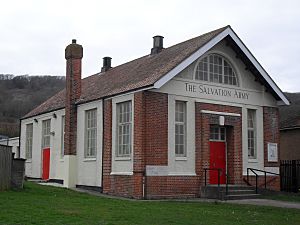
172	187
112	184
107	142
156	128
233	126
271	132
73	91
273	182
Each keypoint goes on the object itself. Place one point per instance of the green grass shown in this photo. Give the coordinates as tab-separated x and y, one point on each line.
50	205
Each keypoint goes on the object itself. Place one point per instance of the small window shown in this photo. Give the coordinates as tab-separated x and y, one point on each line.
251	126
62	137
124	129
46	127
180	129
215	68
29	136
217	133
90	133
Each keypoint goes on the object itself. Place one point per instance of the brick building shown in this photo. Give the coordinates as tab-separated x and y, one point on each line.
290	128
148	128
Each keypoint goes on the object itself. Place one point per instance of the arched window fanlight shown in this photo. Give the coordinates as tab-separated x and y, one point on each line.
215	68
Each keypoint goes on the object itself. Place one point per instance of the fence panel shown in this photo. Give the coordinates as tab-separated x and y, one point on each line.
5	167
290	175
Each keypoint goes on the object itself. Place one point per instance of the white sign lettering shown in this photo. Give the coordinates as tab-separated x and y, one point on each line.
216	91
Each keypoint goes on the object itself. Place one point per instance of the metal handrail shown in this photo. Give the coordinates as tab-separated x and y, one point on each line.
205	171
256	176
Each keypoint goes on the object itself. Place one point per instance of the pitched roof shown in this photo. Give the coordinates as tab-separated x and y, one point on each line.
139	73
290	115
155	70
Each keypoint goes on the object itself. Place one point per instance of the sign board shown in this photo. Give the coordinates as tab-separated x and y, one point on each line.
272	152
156	170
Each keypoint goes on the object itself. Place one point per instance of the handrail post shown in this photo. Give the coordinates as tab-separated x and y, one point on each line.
265	180
226	184
248	175
256	183
205	177
219	177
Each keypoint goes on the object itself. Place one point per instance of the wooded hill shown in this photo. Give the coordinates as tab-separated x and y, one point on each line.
21	94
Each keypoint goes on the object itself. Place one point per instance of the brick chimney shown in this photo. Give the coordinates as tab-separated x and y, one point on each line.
73	55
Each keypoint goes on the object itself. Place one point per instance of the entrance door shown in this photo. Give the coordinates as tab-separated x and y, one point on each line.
46	163
217	147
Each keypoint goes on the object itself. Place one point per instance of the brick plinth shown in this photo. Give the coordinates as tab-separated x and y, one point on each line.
273	182
172	187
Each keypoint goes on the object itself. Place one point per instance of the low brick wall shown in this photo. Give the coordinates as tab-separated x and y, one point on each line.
273	182
172	187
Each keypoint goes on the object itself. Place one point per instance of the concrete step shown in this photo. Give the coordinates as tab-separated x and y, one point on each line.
240	191
242	196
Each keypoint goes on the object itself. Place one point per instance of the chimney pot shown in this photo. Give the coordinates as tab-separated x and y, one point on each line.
157	44
106	64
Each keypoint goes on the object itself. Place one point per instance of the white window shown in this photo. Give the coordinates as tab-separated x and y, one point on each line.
251	126
124	129
46	126
214	68
90	133
180	129
62	137
217	133
29	134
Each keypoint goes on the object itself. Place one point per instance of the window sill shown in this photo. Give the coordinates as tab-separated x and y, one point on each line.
181	159
61	160
122	158
28	160
252	160
89	159
122	173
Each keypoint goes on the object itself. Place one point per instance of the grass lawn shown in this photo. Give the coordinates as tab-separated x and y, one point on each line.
50	205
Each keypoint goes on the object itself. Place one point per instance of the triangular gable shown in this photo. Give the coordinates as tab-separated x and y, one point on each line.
202	50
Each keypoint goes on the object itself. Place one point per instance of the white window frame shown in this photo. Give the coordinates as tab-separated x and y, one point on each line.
29	139
182	124
120	126
254	131
46	133
62	150
221	76
217	133
90	134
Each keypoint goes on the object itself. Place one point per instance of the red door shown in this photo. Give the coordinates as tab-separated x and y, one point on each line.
46	163
217	160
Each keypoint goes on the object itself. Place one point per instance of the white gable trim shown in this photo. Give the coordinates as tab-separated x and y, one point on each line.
209	45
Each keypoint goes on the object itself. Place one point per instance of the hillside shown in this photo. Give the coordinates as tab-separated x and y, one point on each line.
20	94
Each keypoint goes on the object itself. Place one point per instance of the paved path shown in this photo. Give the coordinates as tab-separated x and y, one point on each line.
259	202
266	202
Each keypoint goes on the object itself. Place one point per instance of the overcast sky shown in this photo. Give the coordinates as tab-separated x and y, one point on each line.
34	33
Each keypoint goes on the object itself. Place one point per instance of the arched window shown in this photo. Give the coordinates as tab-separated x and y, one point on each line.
215	68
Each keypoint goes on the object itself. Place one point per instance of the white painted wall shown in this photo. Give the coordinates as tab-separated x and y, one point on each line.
181	165
33	167
14	143
89	170
184	87
121	165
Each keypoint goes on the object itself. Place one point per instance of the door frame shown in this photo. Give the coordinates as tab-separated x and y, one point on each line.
219	139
